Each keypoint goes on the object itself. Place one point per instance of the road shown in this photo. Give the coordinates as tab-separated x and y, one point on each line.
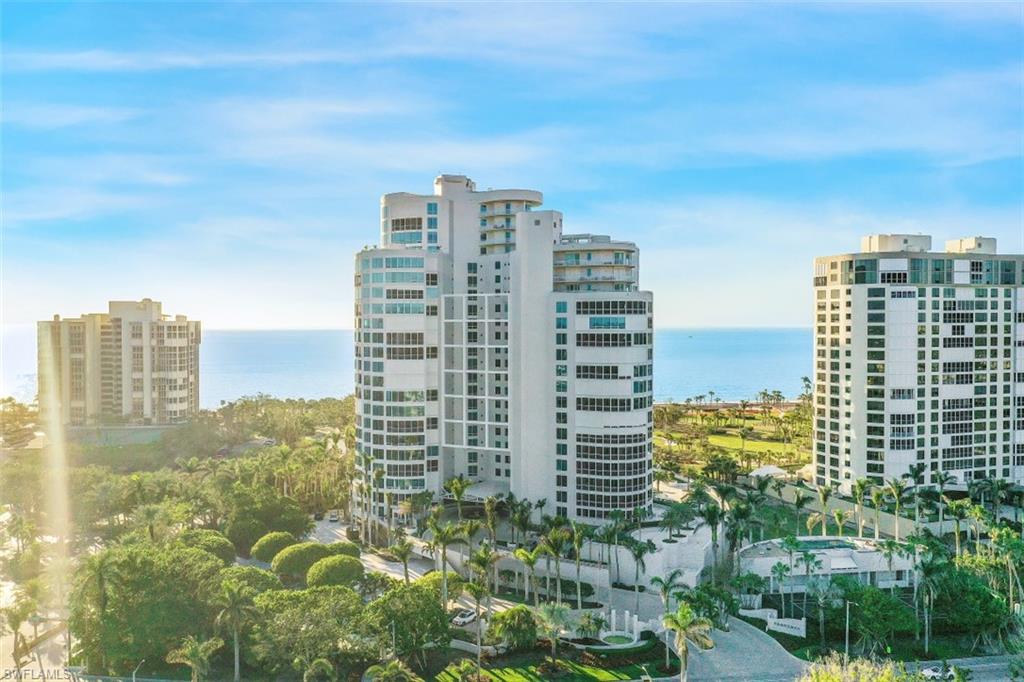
982	667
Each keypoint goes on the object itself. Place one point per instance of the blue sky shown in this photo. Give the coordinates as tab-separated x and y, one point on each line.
227	158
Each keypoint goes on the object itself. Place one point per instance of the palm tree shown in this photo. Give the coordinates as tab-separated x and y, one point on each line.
402	550
457	487
824	494
443	536
814	520
738	522
800	500
618	524
235	609
942	479
14	618
318	668
484	559
1000	488
529	560
877	500
392	670
556	543
790	545
958	510
859	491
590	625
579	534
979	517
639	551
890	549
932	571
478	591
780	572
520	520
897	490
811	563
687	626
745	432
711	515
491	523
667	586
196	655
841	516
470	529
826	595
552	618
915	473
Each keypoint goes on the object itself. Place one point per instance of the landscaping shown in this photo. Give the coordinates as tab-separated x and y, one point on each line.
577	666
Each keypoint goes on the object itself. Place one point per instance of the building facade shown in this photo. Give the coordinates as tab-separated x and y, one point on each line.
859	558
130	365
491	346
919	359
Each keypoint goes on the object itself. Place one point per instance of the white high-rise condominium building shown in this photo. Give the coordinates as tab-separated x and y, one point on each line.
130	365
493	347
919	359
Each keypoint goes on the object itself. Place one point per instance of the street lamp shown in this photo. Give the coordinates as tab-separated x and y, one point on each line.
137	669
848	602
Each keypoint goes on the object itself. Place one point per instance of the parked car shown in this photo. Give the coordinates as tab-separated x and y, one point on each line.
318	516
464	617
938	673
334	515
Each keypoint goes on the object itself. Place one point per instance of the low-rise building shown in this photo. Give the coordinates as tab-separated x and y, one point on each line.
859	558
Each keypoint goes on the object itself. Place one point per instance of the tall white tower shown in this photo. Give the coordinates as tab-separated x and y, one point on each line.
493	347
918	359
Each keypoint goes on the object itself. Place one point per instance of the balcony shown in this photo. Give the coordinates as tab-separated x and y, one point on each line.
626	279
604	262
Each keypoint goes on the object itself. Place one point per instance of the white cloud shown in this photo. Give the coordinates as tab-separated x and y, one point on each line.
58	202
45	116
745	261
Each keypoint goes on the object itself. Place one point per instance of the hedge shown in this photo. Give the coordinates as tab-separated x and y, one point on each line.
334	570
257	579
345	548
267	547
293	562
212	541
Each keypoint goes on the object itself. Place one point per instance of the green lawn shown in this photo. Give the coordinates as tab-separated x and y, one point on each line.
733	442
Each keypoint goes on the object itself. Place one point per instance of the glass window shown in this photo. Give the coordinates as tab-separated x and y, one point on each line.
431	208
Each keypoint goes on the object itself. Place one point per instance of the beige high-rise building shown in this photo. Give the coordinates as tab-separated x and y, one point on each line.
130	365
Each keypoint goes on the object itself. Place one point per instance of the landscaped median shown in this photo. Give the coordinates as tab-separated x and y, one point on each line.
578	661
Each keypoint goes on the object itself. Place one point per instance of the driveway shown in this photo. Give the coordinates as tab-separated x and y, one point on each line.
333	531
744	653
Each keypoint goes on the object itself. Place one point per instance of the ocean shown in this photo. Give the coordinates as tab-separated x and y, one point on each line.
734	363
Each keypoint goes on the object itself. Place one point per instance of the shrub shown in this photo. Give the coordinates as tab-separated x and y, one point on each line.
515	626
267	547
211	541
343	547
257	579
293	562
334	570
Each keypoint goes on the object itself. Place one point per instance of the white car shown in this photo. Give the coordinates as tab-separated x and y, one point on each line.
938	673
464	617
